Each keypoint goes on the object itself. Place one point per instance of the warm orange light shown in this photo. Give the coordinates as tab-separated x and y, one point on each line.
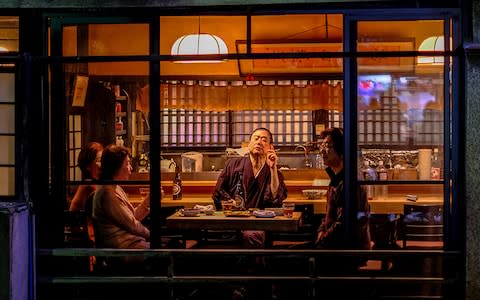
199	44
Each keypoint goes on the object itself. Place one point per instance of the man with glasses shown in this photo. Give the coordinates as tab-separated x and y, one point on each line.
331	232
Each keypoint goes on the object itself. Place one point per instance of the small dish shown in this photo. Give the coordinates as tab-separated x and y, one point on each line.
264	214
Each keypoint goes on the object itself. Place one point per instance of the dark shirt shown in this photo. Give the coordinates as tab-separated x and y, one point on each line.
333	225
257	189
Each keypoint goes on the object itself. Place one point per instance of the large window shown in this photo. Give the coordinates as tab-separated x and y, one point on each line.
290	79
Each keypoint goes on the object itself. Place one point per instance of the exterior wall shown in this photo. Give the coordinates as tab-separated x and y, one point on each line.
472	117
472	148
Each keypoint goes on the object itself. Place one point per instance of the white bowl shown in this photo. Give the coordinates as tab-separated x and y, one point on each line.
314	193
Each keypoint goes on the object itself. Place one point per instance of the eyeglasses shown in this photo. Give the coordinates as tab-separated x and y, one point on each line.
325	147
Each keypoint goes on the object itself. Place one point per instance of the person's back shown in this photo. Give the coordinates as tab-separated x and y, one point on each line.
115	222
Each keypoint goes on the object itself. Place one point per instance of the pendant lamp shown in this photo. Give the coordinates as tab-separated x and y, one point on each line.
199	44
433	43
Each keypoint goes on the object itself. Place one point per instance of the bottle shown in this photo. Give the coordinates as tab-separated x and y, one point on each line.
239	193
381	191
381	171
319	161
177	184
369	174
119	124
436	168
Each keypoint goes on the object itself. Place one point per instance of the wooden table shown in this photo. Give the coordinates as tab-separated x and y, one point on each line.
219	221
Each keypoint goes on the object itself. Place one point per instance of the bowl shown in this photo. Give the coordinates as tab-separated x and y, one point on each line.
314	193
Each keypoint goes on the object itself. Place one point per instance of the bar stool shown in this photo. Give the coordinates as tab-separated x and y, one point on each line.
422	222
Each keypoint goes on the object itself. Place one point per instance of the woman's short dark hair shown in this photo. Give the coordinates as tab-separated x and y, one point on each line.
270	135
112	160
336	134
87	156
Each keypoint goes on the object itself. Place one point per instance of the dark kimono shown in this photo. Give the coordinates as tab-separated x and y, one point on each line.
257	189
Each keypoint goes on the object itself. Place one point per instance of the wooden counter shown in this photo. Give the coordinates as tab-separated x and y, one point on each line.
393	204
198	187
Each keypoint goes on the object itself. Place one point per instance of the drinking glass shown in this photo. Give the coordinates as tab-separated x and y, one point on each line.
288	209
227	205
144	192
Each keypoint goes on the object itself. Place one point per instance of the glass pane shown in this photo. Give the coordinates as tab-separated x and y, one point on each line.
69	37
106	39
8	33
377	35
7	184
7	153
78	121
117	39
7	87
7	119
408	36
400	102
400	130
323	27
108	115
227	28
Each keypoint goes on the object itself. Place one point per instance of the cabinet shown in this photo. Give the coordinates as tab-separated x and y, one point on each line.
99	115
108	114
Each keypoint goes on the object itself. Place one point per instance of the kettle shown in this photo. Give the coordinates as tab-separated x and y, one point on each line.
192	161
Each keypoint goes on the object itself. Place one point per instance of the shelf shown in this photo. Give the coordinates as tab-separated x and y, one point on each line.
121	114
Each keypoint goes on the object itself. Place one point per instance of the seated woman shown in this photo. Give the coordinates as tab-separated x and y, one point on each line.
89	163
117	223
